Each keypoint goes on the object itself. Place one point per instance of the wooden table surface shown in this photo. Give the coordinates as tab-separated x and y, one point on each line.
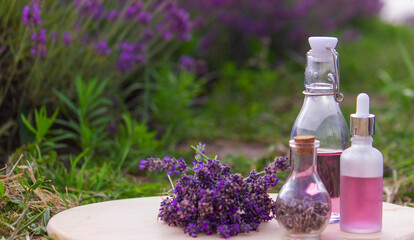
137	219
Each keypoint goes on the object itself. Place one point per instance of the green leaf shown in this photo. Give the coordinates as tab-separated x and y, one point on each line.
97	112
38	183
407	60
32	220
71	124
27	124
46	216
5	127
65	100
2	190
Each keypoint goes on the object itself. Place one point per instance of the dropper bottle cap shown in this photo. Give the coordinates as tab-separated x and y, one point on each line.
362	122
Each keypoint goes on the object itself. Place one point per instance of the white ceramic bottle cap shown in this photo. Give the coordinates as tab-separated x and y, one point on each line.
322	43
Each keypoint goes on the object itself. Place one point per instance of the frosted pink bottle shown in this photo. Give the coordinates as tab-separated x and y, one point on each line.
361	175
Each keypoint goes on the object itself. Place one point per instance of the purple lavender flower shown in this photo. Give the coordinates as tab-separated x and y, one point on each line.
147	35
67	40
102	48
186	63
139	47
130	56
39	44
31	16
167	164
214	200
201	67
290	22
144	17
90	8
37	2
112	15
54	37
279	164
166	35
2	49
126	61
178	21
134	9
189	64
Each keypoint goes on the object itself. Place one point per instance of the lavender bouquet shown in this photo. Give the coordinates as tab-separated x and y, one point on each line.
208	198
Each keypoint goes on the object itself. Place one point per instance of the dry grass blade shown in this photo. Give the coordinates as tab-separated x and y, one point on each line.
25	199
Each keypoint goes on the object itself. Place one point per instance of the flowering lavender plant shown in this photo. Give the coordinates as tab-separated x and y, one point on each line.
208	198
30	15
47	44
288	23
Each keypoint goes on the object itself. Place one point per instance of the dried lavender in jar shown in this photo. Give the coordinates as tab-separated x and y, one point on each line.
302	216
303	206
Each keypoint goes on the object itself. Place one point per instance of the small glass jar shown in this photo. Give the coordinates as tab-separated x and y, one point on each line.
303	206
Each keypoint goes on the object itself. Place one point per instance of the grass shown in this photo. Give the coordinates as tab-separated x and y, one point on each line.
27	202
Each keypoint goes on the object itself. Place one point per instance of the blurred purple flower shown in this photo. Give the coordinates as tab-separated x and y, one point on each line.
102	48
2	49
54	37
131	55
189	64
171	6
90	8
112	127
351	35
77	26
134	9
39	44
201	67
31	15
166	35
289	23
115	103
144	17
112	15
126	58
186	63
140	47
67	39
147	35
159	26
178	22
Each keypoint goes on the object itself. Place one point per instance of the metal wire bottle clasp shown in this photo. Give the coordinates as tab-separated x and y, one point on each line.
339	97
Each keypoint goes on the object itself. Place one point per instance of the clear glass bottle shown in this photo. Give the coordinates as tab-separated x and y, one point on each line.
361	175
303	206
320	114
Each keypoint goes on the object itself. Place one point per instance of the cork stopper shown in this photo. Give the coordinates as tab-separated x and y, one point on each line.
305	144
304	139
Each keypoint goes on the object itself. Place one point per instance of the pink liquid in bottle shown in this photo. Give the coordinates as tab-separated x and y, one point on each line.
328	167
361	204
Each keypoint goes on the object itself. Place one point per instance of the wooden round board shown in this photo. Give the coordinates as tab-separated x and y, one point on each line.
137	219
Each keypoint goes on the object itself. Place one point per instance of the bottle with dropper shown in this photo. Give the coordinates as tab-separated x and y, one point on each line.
361	175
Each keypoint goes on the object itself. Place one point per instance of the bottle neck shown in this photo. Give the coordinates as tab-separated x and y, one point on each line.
319	89
316	74
303	163
362	140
